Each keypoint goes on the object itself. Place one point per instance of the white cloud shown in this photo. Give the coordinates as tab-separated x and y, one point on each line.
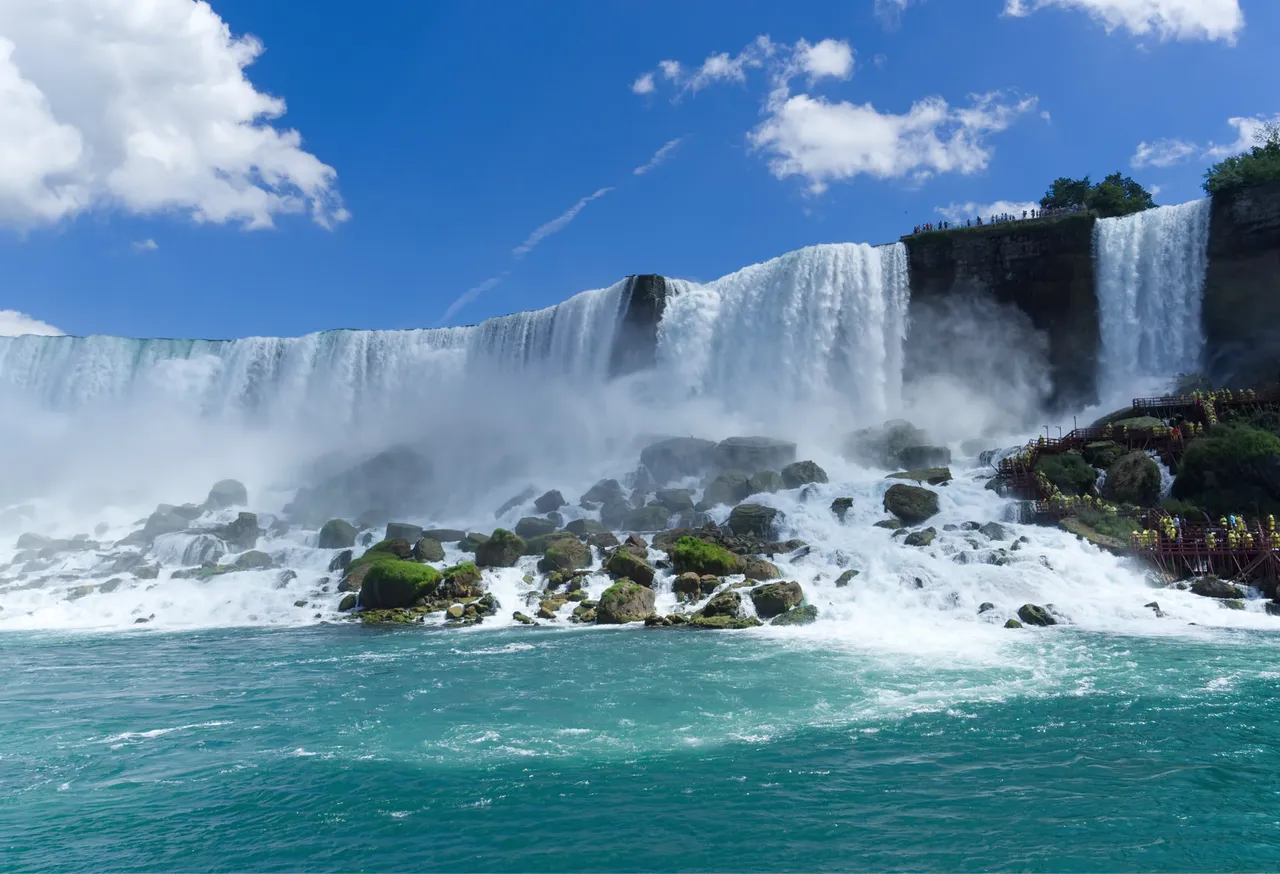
958	212
643	84
14	323
556	224
658	157
143	106
670	69
147	245
825	142
829	57
1162	153
471	294
1247	130
721	67
1167	19
1168	152
890	11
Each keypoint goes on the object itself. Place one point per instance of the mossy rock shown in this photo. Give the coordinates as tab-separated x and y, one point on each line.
1012	623
890	524
624	564
1137	423
534	526
584	527
923	537
472	542
503	549
1069	472
912	505
1103	453
727	603
565	555
347	603
846	578
759	569
548	607
774	599
392	583
1236	469
625	601
801	615
1034	614
522	618
461	581
252	560
1133	479
382	549
723	623
691	554
687	587
337	534
538	545
391	617
934	476
428	549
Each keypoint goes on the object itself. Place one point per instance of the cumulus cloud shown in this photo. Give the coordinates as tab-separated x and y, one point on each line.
958	212
658	157
1169	152
147	245
14	324
1166	19
143	106
643	84
824	141
890	11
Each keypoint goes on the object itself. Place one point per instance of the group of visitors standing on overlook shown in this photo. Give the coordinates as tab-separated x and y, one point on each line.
1000	218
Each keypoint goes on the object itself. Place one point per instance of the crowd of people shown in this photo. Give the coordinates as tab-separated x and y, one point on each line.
1232	532
1000	218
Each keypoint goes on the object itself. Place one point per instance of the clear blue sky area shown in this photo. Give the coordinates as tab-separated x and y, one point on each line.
458	129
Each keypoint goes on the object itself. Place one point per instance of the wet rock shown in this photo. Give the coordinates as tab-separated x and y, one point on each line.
880	446
912	504
403	531
723	623
985	607
613	514
252	560
427	549
753	454
774	599
472	542
603	540
846	578
841	507
455	612
525	496
759	569
654	517
923	537
1231	603
1133	479
727	487
534	526
675	500
891	524
503	549
803	615
1033	614
226	493
241	534
1213	587
765	482
348	603
337	534
801	473
522	618
625	601
1272	607
445	535
285	577
678	457
754	520
584	527
394	481
727	603
934	476
549	502
624	564
995	531
460	582
688	587
1155	606
565	555
163	521
1012	623
606	491
917	457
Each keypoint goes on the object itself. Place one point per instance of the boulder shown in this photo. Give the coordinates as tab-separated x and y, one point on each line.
687	587
348	603
503	549
774	599
614	513
445	535
340	561
1069	472
1033	614
525	496
913	505
759	569
242	533
995	531
337	534
1213	587
403	531
723	623
841	507
522	618
678	457
625	564
923	537
801	473
606	491
1012	623
251	560
1235	467
203	549
934	476
1103	453
727	603
427	549
804	615
534	526
163	521
654	517
985	607
675	500
226	493
880	446
625	601
765	482
845	578
549	502
394	481
472	542
916	457
1133	479
754	520
752	454
694	555
460	582
565	555
728	487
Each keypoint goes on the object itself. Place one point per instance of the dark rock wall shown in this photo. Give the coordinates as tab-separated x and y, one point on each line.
1242	288
1044	268
636	345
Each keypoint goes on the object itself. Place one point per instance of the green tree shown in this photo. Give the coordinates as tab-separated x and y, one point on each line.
1115	195
1259	165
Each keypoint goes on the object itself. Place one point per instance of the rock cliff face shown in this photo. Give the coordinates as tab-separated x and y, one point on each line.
1043	268
1242	287
636	345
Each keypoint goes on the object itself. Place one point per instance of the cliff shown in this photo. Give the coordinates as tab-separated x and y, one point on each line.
636	345
1242	287
1044	268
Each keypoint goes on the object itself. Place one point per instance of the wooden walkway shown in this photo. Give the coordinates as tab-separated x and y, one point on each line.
1250	552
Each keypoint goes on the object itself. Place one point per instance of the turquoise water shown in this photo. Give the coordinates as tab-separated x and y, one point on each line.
351	749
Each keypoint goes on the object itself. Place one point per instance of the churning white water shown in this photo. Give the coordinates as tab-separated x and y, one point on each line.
1149	271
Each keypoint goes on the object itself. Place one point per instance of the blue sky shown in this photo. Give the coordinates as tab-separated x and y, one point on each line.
436	139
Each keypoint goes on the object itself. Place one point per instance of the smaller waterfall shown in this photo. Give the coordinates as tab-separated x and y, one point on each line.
1149	270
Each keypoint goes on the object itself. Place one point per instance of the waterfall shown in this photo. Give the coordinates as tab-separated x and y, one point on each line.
1150	270
822	324
340	374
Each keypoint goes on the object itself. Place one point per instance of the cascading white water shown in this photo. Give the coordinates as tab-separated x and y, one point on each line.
825	323
1149	274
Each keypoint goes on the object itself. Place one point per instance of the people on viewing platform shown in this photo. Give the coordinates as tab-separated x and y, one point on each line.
1002	218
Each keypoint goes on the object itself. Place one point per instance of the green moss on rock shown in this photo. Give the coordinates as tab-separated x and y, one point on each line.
691	554
503	549
393	583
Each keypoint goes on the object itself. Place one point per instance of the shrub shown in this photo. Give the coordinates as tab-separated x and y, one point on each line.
1234	470
1258	166
1113	196
1069	472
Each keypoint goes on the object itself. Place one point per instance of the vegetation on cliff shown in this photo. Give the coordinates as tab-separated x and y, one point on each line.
1259	165
1114	196
1236	469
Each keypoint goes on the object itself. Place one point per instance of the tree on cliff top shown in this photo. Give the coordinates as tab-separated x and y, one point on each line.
1259	165
1113	196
